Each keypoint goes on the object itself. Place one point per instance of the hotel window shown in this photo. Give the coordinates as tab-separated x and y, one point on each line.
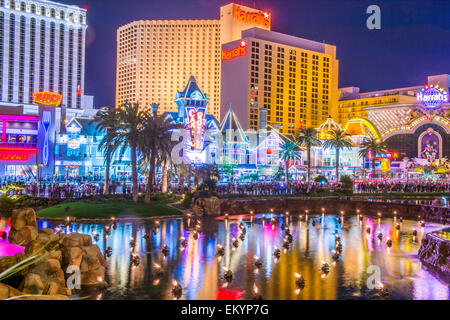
32	57
61	58
70	75
43	11
12	4
1	49
42	57
21	58
79	64
22	6
2	4
52	56
11	58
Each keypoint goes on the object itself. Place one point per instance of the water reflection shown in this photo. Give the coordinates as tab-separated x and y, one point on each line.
200	271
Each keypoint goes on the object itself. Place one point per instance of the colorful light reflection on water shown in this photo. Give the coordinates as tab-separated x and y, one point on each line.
200	272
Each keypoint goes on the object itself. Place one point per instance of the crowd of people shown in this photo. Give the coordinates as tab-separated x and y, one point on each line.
401	187
272	188
76	191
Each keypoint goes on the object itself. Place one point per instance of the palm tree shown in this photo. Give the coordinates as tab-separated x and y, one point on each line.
308	138
339	140
288	152
372	147
130	125
156	144
106	120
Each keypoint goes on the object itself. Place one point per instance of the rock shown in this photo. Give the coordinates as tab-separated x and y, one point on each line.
8	292
55	254
47	231
32	284
73	256
23	226
434	253
8	262
207	206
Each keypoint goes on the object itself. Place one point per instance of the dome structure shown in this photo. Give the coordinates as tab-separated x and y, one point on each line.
325	128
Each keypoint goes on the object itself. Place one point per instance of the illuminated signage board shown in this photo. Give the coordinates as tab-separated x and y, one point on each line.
260	18
239	51
73	144
432	96
47	98
16	154
386	155
195	123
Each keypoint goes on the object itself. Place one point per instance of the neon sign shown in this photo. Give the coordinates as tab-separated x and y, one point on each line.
239	51
262	18
16	154
432	96
387	155
47	98
195	123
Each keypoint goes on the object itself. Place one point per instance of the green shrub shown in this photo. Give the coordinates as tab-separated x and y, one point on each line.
187	201
7	204
347	182
320	178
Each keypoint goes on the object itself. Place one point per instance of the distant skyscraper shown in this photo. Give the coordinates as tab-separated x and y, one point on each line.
42	48
156	57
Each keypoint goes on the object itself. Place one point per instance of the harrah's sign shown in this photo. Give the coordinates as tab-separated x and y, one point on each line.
260	17
239	51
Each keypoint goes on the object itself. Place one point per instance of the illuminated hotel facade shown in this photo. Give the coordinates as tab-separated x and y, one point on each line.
414	121
294	79
42	48
155	57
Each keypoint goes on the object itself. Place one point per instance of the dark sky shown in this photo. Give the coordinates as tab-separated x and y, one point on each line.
414	40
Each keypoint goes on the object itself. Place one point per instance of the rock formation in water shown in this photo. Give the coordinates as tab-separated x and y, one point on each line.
434	253
58	252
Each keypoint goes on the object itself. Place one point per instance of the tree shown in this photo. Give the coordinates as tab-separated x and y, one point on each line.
130	124
107	120
308	138
372	146
156	145
339	140
289	152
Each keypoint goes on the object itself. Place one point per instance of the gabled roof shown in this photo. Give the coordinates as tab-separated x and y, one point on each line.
231	122
86	127
355	128
191	86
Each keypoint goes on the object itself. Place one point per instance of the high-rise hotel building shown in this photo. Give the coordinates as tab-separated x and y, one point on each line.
157	57
293	79
42	48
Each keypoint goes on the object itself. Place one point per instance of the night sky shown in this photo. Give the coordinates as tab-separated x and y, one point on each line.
414	40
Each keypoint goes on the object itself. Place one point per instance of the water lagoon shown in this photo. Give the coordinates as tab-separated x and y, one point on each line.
198	269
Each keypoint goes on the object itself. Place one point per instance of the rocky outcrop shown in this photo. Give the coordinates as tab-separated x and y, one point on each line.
56	252
434	253
23	226
206	206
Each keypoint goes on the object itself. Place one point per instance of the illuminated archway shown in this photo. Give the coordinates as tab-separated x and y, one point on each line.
373	130
415	124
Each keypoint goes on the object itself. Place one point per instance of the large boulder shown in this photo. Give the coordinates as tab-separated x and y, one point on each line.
23	226
8	292
207	206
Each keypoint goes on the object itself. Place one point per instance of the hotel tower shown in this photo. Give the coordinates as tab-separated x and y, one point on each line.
157	57
42	48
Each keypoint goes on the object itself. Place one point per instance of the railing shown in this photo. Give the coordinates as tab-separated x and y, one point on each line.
18	145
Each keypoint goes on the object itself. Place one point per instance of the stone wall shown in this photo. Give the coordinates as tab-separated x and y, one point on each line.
332	206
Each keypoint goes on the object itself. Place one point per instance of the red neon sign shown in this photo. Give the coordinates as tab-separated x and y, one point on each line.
16	154
196	122
47	98
239	51
262	18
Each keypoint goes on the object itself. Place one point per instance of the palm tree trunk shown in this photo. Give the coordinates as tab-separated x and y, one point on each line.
337	164
164	187
134	173
373	167
150	177
308	154
108	165
181	179
286	173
